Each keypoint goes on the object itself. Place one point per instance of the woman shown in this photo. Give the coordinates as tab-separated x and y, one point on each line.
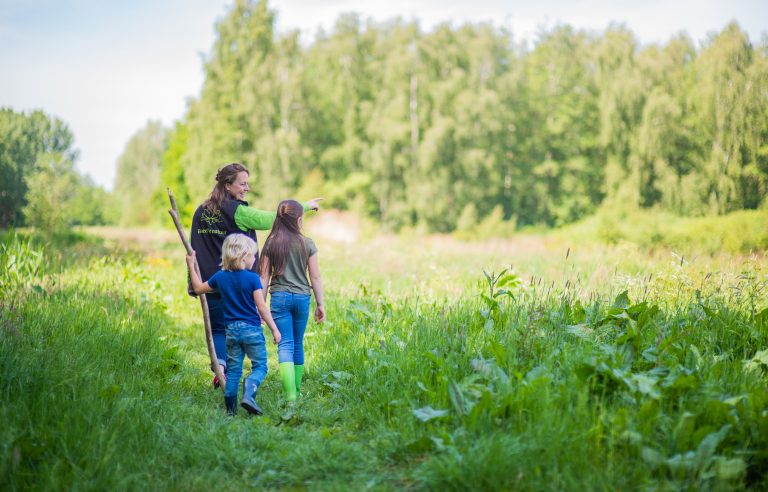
226	212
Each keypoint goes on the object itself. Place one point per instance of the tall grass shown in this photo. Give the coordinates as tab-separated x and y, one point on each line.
524	380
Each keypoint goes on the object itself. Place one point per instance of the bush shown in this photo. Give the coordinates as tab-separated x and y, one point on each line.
744	231
21	265
491	226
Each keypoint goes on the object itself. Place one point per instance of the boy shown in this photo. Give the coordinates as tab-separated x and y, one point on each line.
242	296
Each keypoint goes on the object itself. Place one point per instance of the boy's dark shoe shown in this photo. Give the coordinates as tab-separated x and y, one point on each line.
248	402
231	403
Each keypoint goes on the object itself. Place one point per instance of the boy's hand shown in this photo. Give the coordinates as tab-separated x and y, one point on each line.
276	336
191	259
320	314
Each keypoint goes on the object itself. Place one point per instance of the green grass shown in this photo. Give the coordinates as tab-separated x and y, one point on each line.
599	368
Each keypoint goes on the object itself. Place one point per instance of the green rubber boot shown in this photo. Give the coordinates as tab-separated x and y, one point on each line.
299	373
288	376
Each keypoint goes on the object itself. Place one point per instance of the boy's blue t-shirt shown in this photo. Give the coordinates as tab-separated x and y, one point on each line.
236	290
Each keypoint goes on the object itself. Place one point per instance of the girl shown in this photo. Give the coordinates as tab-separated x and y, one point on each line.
241	294
285	259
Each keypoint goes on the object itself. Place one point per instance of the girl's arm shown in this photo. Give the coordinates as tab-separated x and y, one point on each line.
266	316
198	285
265	274
317	287
252	219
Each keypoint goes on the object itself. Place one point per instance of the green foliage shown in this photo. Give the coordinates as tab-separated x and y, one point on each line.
435	130
59	198
492	226
21	263
738	232
139	172
39	184
236	116
26	140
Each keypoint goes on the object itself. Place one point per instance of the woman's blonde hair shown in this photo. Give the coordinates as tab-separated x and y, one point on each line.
235	248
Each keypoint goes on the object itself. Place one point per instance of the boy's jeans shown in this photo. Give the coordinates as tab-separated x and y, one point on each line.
290	312
244	339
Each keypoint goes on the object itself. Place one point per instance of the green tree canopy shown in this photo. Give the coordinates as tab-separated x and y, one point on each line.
436	129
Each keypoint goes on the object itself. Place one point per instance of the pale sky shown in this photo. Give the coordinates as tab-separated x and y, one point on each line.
107	67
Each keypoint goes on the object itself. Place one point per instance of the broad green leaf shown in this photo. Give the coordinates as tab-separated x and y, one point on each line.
735	400
637	309
683	432
537	373
651	456
647	315
499	351
631	437
762	317
621	315
682	462
582	331
425	414
730	469
341	375
760	358
509	280
622	301
647	385
709	444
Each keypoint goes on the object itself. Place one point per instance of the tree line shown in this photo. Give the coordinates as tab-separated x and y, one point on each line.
443	129
39	183
440	129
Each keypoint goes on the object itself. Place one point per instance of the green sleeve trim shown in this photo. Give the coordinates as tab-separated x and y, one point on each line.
252	219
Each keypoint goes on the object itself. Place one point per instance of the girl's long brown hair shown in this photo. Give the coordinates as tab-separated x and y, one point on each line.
219	194
285	233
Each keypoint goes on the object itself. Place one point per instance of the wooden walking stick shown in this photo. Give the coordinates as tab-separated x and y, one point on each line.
203	301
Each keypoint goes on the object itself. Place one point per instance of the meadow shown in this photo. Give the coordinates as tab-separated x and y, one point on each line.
537	362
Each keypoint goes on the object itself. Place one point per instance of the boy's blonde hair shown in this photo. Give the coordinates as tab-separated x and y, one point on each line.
235	248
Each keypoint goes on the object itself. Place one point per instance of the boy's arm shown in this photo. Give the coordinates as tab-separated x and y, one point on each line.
198	285
266	316
317	287
253	219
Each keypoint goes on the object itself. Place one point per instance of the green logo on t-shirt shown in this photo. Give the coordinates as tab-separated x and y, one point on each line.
211	218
